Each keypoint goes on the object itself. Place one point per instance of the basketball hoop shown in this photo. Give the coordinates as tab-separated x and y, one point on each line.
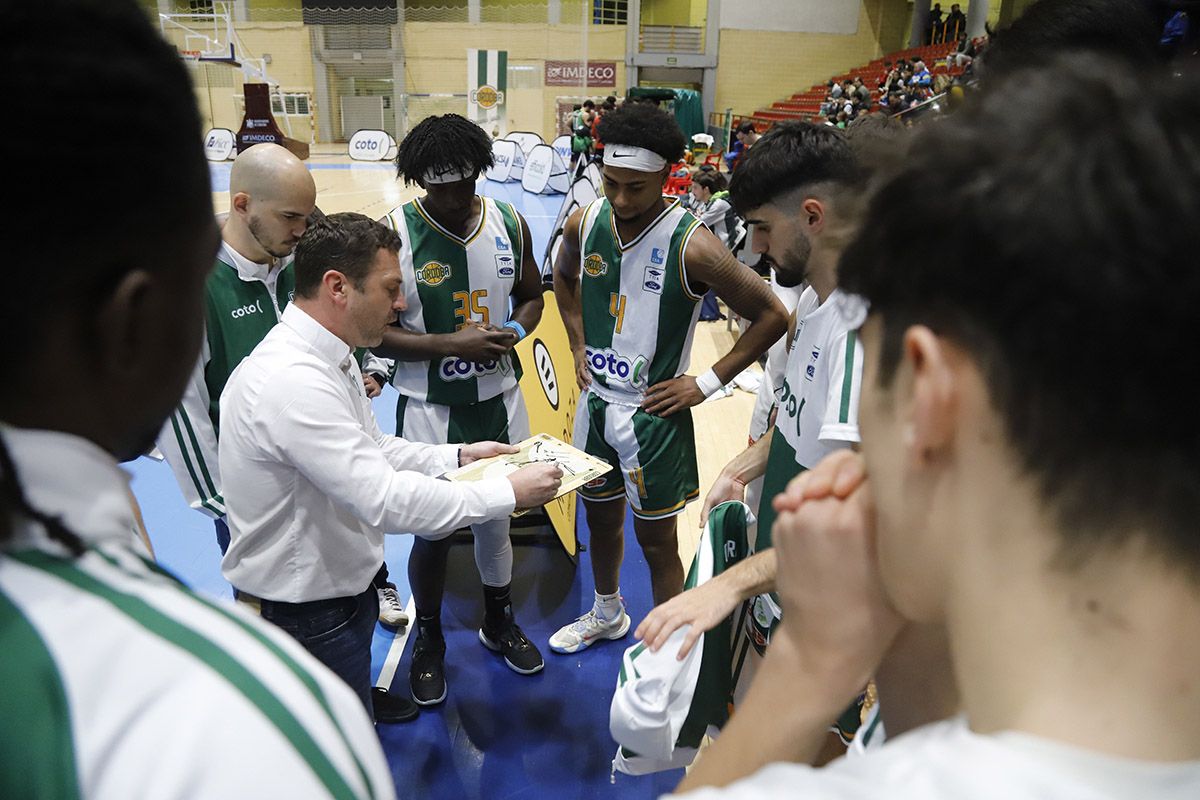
189	55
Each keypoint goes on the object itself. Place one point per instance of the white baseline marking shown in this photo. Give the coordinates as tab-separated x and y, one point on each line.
387	673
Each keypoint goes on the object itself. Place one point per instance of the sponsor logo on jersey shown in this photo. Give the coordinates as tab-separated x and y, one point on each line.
291	296
594	483
652	280
501	244
594	265
658	255
811	370
245	311
505	266
616	367
432	273
458	369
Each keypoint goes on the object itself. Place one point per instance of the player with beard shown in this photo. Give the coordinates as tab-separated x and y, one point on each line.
797	187
629	279
271	196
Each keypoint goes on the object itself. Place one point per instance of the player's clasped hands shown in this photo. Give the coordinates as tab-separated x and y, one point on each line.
828	575
475	342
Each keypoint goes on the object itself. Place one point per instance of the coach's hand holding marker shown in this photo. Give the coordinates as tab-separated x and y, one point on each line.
534	485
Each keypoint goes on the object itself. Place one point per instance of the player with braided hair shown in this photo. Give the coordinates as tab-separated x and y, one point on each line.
463	259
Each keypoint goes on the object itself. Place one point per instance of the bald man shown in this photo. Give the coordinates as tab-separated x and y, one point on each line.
271	195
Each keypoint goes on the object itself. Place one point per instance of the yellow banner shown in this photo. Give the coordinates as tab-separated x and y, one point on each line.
551	395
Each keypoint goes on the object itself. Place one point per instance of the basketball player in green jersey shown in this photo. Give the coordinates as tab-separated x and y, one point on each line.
466	260
799	187
629	277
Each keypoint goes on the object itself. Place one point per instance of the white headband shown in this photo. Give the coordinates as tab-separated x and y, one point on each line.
627	157
435	175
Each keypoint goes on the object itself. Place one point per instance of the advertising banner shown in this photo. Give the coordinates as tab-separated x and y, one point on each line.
601	74
487	84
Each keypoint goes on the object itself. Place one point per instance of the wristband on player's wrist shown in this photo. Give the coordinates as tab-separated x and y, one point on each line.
516	328
709	384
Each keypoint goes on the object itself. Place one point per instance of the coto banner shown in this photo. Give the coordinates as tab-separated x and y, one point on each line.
487	84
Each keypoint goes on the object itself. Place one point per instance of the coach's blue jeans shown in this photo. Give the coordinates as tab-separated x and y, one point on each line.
337	631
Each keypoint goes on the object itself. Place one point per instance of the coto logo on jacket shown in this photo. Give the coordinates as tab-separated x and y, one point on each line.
594	265
433	273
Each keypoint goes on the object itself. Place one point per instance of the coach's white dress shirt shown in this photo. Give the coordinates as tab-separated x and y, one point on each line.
311	484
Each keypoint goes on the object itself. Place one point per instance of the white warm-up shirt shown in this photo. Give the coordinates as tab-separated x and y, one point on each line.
947	760
312	484
116	681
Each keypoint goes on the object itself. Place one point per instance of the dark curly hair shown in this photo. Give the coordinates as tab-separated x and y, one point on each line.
643	125
448	142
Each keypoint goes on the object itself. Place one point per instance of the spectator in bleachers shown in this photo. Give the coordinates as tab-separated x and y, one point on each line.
920	76
936	30
710	204
835	89
964	52
745	137
861	91
956	23
883	76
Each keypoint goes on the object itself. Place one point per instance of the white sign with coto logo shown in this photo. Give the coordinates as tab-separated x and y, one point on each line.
219	144
369	145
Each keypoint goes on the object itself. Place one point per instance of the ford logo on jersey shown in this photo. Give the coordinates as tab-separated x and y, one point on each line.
652	280
457	369
658	255
616	367
505	267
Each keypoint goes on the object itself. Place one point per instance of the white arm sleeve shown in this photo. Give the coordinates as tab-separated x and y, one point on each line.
840	423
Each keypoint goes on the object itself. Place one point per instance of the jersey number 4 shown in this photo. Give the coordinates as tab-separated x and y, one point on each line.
616	307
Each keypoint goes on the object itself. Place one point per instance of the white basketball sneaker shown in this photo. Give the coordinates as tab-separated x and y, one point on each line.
588	629
391	612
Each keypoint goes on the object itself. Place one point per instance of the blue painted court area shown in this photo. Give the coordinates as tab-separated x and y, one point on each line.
499	734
